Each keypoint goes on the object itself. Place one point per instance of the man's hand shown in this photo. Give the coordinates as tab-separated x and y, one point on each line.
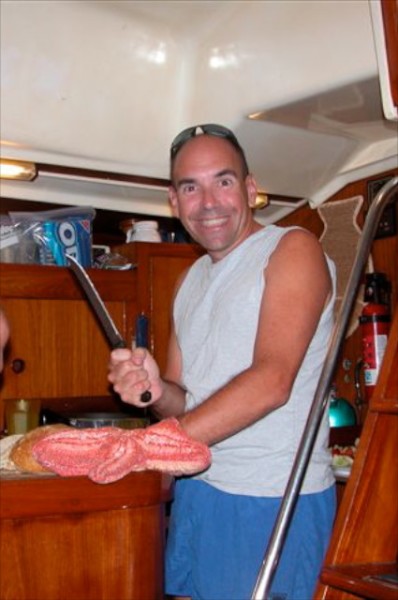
133	372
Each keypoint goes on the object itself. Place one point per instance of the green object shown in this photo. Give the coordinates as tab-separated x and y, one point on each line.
341	413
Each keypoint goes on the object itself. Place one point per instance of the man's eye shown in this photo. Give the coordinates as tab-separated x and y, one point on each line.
188	188
225	182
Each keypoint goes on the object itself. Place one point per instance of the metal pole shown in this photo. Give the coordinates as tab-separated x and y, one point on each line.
275	545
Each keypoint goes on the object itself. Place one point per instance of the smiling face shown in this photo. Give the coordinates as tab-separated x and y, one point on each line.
211	196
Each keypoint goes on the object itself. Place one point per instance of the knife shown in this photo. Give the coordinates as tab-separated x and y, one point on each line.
114	338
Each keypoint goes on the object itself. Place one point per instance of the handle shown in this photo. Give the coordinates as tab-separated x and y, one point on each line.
141	340
18	365
141	331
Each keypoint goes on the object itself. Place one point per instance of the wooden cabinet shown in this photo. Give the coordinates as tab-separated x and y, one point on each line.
364	544
57	348
70	538
158	268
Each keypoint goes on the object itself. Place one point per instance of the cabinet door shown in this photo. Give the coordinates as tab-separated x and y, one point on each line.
57	348
159	267
164	273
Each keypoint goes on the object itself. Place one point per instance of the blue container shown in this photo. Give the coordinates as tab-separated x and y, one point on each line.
341	413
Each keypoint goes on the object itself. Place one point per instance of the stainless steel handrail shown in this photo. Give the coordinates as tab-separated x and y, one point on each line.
275	545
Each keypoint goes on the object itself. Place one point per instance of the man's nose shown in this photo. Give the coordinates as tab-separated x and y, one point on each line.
208	198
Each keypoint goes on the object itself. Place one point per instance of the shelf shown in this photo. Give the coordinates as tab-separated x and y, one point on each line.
53	282
363	580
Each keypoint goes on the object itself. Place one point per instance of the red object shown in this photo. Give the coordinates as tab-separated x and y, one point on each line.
375	322
107	454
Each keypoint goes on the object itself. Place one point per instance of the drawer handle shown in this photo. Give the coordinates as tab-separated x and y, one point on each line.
18	365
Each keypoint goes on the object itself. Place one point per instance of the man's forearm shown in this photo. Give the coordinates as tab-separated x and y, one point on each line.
172	401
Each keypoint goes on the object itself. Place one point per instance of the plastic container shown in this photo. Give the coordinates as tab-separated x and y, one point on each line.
145	231
57	233
341	412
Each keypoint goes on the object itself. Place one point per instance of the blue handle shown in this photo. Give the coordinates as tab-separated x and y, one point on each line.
141	331
141	341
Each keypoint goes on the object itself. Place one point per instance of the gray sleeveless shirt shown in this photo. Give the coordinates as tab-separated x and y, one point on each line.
216	313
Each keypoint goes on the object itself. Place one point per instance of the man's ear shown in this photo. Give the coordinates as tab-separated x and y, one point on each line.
251	187
173	201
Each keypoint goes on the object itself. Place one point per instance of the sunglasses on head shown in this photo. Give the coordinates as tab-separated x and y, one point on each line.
209	129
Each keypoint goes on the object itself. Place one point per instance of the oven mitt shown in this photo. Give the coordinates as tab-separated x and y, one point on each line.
107	454
167	447
72	452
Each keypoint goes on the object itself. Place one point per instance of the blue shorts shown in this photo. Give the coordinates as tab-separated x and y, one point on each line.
217	541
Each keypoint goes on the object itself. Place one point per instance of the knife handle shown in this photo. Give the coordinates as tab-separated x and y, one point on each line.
141	340
120	344
146	396
141	331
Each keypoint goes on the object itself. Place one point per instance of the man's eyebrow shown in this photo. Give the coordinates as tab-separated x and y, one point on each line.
184	181
190	180
226	172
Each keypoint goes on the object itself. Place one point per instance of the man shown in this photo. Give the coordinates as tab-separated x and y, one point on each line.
251	321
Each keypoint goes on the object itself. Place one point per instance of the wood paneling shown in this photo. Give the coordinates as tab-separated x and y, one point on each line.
365	537
390	19
64	539
159	267
57	347
385	258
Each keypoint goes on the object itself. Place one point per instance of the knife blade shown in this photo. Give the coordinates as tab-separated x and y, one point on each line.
112	333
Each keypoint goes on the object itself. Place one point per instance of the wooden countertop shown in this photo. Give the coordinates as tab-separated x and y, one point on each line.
27	495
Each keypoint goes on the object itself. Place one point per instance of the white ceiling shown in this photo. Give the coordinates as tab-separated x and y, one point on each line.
107	85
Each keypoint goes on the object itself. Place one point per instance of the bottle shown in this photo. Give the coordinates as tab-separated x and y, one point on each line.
375	325
145	231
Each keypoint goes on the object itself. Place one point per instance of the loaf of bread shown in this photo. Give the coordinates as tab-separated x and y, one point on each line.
6	445
21	453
